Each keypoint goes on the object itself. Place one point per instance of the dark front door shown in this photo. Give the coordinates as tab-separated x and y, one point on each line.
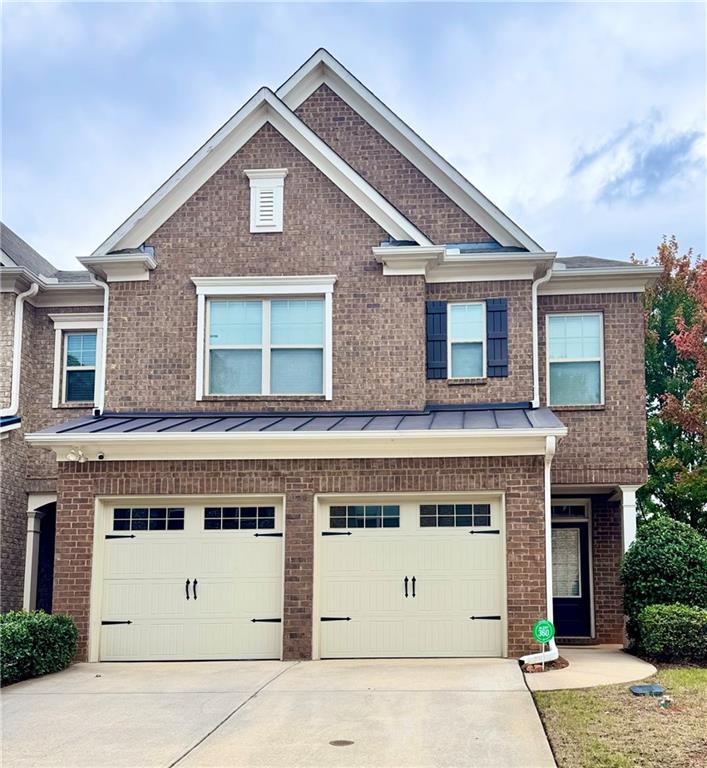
570	579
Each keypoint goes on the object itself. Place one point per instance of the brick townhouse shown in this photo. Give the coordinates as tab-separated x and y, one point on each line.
318	397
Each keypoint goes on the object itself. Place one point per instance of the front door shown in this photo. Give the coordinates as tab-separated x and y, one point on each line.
570	579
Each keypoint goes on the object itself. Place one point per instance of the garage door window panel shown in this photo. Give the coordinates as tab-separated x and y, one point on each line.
455	515
239	518
365	516
148	519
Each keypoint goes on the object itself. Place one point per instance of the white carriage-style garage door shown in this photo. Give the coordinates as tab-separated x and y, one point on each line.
198	580
411	578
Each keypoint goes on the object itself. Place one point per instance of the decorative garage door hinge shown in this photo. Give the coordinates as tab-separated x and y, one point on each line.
336	533
487	618
116	622
266	621
120	535
268	534
335	618
485	532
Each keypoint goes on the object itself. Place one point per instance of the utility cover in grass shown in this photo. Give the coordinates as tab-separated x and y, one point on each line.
650	689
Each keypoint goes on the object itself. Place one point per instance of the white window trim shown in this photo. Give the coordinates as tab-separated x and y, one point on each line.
79	323
482	304
599	359
307	286
271	179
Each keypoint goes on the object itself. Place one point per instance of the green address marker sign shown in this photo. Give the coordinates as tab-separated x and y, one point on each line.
543	631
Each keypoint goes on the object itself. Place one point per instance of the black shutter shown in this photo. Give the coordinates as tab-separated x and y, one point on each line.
496	337
436	320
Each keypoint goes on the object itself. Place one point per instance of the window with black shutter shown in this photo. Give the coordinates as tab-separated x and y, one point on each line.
436	321
496	337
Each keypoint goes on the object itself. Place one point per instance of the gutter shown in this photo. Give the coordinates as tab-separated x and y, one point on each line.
552	653
101	383
536	344
14	406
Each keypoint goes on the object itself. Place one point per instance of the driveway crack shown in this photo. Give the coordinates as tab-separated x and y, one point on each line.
230	715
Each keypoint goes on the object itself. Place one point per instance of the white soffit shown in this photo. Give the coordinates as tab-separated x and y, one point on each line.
263	107
323	68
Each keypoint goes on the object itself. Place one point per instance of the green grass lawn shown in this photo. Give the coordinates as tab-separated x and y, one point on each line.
608	727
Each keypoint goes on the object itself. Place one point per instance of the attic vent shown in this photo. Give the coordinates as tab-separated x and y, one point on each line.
266	199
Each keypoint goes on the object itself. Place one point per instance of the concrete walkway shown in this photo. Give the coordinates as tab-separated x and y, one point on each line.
590	666
382	713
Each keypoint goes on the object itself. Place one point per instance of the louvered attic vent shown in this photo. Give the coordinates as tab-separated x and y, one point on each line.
267	187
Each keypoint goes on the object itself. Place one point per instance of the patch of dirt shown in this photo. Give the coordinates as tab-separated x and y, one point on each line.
558	663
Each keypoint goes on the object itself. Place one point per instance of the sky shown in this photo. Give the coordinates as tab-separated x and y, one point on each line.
585	123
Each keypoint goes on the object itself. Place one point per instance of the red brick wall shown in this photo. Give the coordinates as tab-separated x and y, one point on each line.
521	478
395	177
607	552
518	385
606	444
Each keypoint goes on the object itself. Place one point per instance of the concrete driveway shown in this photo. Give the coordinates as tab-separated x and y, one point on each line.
396	713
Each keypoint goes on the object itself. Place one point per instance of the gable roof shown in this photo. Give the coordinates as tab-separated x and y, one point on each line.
322	68
263	107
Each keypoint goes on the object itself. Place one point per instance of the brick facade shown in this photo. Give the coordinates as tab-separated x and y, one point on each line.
607	551
395	177
606	444
521	478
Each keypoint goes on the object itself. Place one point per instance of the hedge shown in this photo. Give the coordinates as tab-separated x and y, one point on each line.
35	643
666	564
674	632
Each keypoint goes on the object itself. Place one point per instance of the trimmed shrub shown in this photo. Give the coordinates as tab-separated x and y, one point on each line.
35	643
674	632
666	564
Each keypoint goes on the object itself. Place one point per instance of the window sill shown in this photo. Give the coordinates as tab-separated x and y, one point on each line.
475	382
63	406
566	408
263	398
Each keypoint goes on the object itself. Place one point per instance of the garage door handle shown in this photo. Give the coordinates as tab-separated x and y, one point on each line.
406	586
413	586
193	586
186	587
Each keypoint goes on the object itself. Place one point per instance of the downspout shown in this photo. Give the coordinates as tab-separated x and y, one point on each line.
551	653
536	343
14	406
101	383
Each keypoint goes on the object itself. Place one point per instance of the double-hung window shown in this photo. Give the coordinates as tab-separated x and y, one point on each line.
77	357
272	339
466	334
575	359
266	346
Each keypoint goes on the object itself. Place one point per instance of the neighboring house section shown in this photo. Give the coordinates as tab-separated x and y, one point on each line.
341	406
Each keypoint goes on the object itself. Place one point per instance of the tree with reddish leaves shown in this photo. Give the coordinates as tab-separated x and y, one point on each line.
676	384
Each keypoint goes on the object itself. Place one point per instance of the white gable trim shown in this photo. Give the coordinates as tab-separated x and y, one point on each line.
263	107
323	68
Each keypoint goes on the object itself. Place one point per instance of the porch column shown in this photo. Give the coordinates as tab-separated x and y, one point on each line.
34	526
628	513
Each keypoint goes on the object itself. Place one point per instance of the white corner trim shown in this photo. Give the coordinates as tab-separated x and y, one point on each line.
263	107
290	285
323	68
121	267
291	445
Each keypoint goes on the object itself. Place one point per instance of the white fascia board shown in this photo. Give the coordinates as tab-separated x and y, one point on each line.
442	266
51	294
121	267
627	279
263	107
279	285
323	68
264	445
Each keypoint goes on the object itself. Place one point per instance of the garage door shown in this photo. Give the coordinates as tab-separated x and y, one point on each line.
192	581
422	578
